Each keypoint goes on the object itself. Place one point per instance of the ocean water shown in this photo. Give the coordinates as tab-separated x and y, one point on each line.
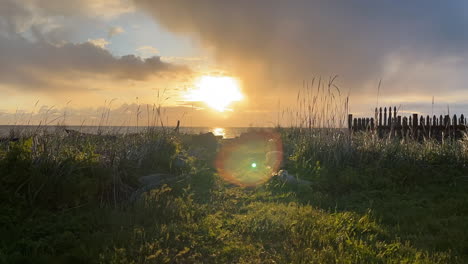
226	132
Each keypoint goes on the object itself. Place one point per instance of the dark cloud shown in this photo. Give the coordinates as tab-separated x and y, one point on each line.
292	40
58	20
70	8
14	17
35	65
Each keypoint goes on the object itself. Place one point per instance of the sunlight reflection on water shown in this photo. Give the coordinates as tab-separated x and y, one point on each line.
219	131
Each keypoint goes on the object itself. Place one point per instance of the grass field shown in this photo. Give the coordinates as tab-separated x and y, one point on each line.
65	199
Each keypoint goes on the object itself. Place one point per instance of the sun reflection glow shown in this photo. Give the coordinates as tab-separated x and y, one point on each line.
219	132
217	92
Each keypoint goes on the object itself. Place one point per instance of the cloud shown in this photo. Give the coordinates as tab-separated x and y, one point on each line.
41	65
107	9
182	59
147	50
100	42
35	54
17	16
113	31
274	46
57	21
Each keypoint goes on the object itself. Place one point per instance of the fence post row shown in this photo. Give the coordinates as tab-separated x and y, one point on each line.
387	121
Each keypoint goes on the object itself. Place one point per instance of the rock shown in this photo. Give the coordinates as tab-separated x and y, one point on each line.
180	162
206	140
289	178
153	178
153	181
203	146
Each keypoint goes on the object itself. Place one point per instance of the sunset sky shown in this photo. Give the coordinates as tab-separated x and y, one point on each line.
78	57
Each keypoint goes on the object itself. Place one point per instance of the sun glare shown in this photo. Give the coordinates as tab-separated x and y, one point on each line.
217	92
219	132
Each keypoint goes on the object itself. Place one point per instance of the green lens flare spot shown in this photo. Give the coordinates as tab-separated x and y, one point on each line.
254	165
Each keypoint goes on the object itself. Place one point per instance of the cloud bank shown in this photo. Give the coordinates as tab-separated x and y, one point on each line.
35	54
32	65
280	43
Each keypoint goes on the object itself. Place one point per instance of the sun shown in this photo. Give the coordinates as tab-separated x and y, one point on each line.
217	92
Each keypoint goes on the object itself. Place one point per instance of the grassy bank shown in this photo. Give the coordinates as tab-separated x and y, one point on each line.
65	198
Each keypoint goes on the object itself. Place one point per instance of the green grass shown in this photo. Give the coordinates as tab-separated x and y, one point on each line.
64	199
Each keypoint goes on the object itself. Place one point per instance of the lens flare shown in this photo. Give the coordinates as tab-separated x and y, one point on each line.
251	159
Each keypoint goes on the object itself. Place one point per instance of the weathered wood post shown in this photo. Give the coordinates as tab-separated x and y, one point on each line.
415	125
379	127
350	122
447	125
404	129
398	125
385	117
380	117
462	124
415	121
422	127
434	126
376	114
390	116
428	126
391	122
454	125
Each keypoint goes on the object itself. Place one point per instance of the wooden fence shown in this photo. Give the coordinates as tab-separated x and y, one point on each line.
388	123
